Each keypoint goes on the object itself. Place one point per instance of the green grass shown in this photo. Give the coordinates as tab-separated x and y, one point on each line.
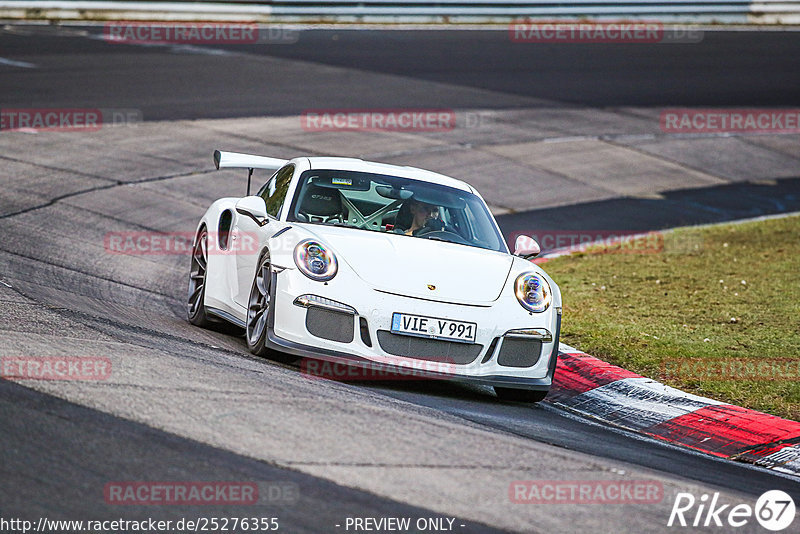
715	295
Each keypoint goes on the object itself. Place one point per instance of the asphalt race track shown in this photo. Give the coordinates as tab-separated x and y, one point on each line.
457	69
185	404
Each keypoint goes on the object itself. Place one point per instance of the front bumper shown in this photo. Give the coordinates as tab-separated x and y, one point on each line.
287	331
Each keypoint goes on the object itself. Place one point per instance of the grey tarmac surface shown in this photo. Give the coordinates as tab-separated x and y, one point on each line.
185	403
365	69
82	450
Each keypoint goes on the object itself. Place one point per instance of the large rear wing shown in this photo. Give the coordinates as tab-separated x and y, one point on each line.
237	160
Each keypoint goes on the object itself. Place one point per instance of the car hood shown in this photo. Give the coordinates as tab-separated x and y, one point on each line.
411	266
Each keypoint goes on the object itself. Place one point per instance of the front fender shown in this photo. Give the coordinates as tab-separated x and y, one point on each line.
218	290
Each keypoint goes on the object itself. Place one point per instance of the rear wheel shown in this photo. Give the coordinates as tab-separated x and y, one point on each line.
258	309
519	395
196	309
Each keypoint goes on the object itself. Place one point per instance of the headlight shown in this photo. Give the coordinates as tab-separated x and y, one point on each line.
315	261
533	292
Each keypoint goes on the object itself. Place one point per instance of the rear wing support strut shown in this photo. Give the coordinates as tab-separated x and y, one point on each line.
236	160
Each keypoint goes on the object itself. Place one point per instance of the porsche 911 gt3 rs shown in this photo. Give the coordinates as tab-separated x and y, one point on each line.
365	263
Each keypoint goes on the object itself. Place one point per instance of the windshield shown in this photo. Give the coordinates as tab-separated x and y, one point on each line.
383	203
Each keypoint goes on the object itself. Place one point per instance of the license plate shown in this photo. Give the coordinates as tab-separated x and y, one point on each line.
420	325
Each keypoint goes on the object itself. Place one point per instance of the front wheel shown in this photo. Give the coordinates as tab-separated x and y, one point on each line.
258	309
519	395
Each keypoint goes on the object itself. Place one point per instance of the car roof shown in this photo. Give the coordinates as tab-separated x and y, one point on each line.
359	165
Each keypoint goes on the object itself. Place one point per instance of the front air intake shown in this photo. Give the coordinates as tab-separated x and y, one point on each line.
519	352
331	325
364	328
490	350
433	350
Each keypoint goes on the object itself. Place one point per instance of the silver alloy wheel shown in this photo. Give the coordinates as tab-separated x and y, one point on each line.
258	305
197	275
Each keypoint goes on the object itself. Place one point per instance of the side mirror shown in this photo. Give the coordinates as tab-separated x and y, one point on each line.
253	207
526	247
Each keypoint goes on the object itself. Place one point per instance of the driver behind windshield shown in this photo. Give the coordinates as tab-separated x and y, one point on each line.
415	216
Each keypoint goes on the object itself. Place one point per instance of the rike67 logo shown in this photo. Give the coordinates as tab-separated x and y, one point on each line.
774	510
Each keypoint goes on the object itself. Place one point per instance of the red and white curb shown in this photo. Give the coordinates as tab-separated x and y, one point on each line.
598	390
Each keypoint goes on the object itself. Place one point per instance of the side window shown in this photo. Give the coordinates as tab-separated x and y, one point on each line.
274	192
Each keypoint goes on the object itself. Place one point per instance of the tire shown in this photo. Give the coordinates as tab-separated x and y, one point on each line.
520	395
258	309
196	310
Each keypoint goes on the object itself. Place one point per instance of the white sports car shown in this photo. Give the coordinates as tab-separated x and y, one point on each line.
345	260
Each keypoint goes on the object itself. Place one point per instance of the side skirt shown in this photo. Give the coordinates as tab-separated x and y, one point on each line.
225	316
